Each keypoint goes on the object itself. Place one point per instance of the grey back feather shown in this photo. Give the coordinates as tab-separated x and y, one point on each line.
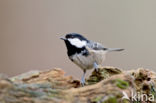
95	45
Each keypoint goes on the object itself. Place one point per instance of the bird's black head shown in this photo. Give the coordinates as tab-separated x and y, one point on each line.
74	36
75	43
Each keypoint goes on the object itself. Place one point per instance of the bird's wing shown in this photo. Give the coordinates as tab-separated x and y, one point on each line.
95	46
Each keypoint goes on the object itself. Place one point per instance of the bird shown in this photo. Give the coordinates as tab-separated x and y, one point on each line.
85	53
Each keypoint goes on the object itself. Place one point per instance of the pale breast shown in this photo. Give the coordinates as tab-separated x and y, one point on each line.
99	56
86	62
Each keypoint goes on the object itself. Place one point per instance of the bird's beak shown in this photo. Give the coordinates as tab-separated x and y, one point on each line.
63	38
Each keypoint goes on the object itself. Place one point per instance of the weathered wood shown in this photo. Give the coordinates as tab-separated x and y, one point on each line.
108	85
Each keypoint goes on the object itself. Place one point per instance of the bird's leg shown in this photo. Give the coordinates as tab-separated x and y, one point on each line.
83	78
96	67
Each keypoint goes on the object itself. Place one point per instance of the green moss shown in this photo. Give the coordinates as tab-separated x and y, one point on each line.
111	100
137	102
97	76
97	99
153	91
121	83
102	74
125	101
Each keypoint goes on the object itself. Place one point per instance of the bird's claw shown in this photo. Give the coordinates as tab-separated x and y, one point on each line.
82	81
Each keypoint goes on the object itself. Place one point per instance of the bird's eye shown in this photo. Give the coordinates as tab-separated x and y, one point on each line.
71	36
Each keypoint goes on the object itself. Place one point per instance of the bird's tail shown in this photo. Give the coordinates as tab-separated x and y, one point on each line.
115	49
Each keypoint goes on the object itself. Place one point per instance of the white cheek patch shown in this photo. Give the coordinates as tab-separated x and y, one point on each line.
78	43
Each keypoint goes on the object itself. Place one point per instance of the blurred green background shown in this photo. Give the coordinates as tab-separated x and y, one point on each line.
30	31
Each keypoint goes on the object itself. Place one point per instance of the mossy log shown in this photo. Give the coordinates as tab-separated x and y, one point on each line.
108	85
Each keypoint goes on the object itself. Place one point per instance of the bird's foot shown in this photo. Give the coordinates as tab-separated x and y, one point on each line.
96	67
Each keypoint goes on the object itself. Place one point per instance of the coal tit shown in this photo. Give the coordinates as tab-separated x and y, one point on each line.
85	53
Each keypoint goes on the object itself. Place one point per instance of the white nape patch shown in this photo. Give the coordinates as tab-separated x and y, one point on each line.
77	42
